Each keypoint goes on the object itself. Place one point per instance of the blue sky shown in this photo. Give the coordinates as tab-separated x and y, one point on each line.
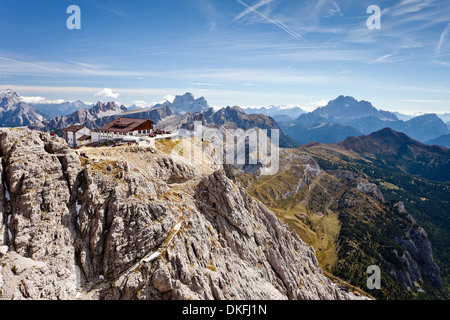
232	52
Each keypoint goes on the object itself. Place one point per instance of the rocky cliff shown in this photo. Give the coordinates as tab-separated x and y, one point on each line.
136	224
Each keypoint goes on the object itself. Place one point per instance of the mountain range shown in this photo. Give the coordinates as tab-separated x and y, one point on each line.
236	118
93	117
50	110
341	118
393	150
182	114
281	112
345	117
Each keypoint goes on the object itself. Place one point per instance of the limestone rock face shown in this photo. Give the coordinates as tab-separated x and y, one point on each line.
419	247
369	188
144	228
36	207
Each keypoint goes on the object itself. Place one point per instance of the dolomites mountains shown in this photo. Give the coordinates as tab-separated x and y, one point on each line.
137	224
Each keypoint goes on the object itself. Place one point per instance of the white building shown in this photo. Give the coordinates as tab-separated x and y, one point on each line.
77	135
124	128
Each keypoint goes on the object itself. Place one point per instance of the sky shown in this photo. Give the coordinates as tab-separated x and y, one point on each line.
232	52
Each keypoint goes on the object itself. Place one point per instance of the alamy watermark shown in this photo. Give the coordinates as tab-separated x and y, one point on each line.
230	146
374	21
374	280
74	20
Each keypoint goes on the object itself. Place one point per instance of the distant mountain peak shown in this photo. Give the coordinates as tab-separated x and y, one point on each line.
428	116
14	112
188	103
379	140
236	108
11	95
346	98
189	94
388	131
347	108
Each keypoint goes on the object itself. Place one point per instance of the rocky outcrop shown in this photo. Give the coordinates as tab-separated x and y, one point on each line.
145	228
372	189
38	172
419	248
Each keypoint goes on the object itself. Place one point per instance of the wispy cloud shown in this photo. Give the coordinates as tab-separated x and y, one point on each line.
408	6
385	59
19	66
197	76
211	13
335	10
117	10
443	38
252	8
278	23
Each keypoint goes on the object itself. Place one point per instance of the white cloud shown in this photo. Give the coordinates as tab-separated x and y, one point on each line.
315	104
41	100
166	98
144	104
169	98
33	99
107	93
140	104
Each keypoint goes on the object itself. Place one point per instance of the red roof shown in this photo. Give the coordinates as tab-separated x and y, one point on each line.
124	125
74	128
